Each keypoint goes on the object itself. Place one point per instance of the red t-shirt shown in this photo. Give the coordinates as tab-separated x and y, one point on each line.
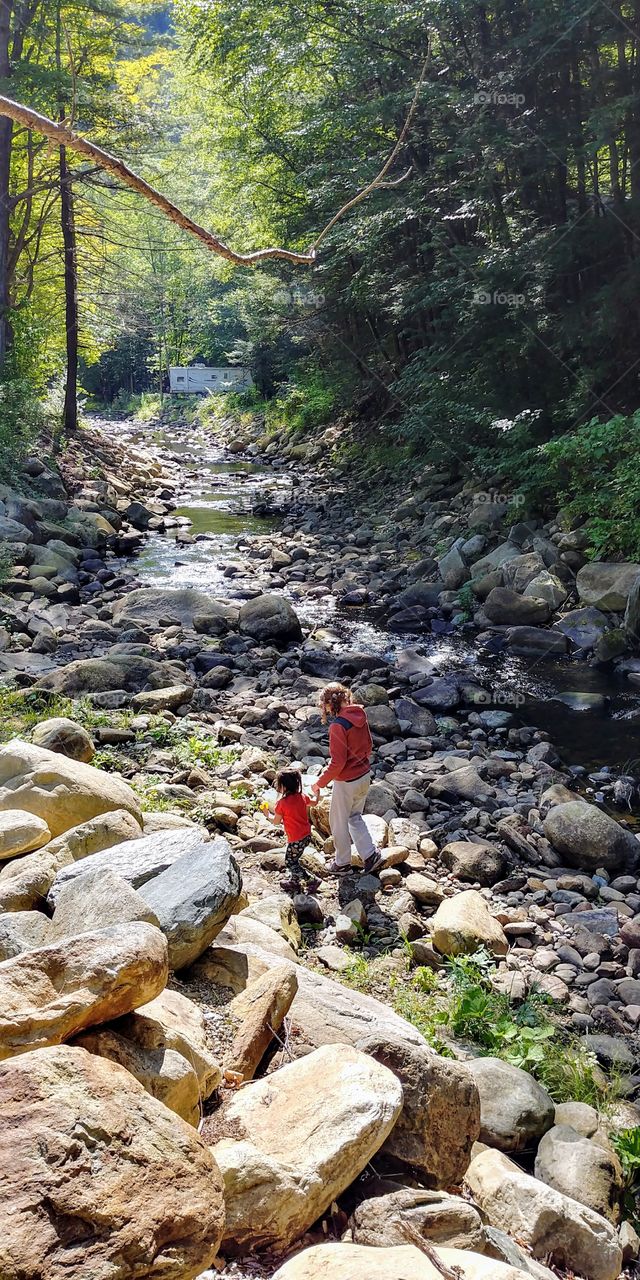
295	819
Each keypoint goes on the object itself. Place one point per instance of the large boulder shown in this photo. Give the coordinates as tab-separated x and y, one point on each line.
506	608
553	1226
440	1218
270	617
99	1179
515	1111
135	861
21	832
115	671
588	838
95	900
404	1262
587	1171
160	607
464	923
193	898
61	791
297	1139
606	585
64	737
421	721
440	1118
461	784
49	994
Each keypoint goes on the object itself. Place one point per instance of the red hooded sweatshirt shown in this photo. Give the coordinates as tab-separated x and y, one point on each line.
350	746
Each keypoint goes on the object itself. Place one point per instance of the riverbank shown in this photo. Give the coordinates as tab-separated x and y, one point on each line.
195	697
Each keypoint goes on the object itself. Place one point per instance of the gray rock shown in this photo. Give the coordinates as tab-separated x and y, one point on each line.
452	567
514	1109
606	585
441	694
96	899
98	675
535	642
546	586
583	627
421	722
588	838
136	861
461	784
481	863
587	1171
23	931
270	617
193	898
155	606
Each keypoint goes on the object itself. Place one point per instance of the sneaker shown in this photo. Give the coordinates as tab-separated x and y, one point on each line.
335	869
373	863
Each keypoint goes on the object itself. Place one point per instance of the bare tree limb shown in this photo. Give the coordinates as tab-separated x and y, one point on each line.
62	135
448	1273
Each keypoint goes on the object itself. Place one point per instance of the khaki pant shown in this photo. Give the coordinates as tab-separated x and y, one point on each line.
347	822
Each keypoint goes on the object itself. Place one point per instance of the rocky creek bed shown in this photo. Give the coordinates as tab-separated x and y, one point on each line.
152	964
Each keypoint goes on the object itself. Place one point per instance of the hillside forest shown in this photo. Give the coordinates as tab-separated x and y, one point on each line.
479	309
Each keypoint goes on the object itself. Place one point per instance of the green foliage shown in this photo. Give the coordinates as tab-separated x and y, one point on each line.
307	401
626	1144
593	473
22	709
21	418
200	749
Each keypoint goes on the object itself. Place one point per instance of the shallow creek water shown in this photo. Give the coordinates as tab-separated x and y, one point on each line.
219	493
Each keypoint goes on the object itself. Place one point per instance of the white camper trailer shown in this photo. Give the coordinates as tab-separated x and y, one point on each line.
197	379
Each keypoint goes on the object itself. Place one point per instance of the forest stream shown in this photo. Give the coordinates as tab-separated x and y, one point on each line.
221	493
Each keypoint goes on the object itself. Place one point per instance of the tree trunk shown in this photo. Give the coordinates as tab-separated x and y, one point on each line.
70	413
6	139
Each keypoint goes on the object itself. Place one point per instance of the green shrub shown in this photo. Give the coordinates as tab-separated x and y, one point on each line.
626	1144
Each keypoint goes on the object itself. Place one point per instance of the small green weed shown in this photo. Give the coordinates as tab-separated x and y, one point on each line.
626	1144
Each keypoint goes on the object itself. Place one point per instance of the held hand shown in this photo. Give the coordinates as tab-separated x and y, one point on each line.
315	791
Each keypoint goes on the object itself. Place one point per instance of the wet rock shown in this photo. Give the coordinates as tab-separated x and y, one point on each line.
583	627
514	1109
157	1186
300	1137
535	642
61	791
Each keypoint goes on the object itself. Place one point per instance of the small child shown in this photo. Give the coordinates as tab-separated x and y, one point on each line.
292	813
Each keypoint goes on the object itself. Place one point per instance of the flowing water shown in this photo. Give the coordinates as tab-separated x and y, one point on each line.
218	497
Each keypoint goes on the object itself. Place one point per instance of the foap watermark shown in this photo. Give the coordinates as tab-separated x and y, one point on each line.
493	498
501	698
496	298
497	98
303	297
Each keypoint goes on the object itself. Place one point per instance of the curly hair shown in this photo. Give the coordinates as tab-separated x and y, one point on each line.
332	699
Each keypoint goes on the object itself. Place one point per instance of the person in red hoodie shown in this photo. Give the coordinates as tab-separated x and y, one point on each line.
349	770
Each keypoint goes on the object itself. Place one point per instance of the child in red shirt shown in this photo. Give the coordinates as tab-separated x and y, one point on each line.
292	813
